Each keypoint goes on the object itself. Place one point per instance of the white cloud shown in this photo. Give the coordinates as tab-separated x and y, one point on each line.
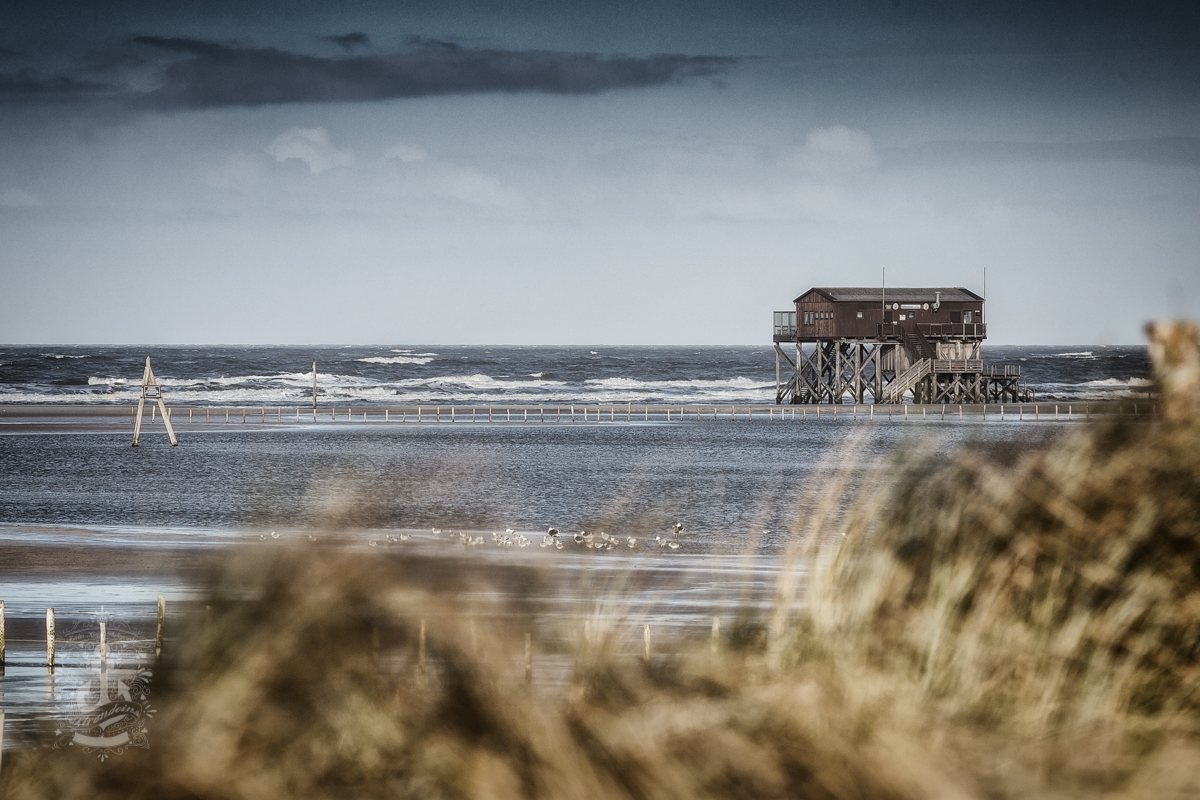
312	146
479	190
406	153
839	146
19	198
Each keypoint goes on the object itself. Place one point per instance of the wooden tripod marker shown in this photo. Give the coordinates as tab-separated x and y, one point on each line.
151	390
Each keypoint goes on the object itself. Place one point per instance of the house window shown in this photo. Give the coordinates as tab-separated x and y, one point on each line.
860	315
968	317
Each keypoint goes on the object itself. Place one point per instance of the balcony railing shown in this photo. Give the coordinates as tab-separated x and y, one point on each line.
977	330
972	365
785	324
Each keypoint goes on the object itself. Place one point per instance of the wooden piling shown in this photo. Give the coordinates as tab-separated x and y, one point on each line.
103	646
1	738
50	638
646	643
189	416
1	635
158	636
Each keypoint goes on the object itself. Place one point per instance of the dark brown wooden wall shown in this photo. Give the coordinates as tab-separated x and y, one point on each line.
841	321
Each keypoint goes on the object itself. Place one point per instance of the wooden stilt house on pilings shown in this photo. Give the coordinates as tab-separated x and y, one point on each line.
885	345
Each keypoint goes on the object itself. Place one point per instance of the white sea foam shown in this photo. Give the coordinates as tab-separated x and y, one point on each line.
411	353
94	381
1120	383
394	360
633	384
57	355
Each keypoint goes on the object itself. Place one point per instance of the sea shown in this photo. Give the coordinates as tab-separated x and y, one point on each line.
400	375
740	491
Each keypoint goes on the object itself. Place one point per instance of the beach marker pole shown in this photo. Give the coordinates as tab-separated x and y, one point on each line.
103	646
158	636
227	416
646	643
152	390
314	389
960	412
189	416
50	639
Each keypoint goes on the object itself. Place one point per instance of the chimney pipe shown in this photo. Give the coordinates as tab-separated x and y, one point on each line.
937	300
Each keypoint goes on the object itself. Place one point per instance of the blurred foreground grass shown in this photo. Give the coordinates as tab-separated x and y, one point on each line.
992	627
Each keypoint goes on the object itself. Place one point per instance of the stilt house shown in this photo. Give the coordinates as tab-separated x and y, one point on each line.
851	344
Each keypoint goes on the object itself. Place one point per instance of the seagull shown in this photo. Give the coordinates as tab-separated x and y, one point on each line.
274	535
404	537
579	537
677	528
632	542
558	544
552	532
392	539
262	537
373	543
436	532
673	545
312	538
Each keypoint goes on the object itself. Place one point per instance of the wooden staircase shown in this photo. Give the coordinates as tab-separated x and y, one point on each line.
906	380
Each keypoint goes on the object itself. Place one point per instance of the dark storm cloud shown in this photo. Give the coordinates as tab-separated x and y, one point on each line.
349	41
212	74
1173	150
27	83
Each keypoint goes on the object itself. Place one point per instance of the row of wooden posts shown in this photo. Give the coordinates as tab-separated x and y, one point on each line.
612	413
714	645
52	640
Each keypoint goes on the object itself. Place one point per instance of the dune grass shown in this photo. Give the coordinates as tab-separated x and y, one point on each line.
989	626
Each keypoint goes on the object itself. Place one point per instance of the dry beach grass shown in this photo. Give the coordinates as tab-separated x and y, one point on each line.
993	627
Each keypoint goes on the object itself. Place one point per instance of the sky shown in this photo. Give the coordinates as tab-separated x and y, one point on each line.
521	172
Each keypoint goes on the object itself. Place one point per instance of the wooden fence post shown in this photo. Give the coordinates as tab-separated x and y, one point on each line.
50	638
421	650
529	659
162	618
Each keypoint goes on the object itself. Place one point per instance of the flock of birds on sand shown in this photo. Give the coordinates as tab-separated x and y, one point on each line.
553	538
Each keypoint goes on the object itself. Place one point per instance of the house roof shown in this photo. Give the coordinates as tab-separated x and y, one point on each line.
861	294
